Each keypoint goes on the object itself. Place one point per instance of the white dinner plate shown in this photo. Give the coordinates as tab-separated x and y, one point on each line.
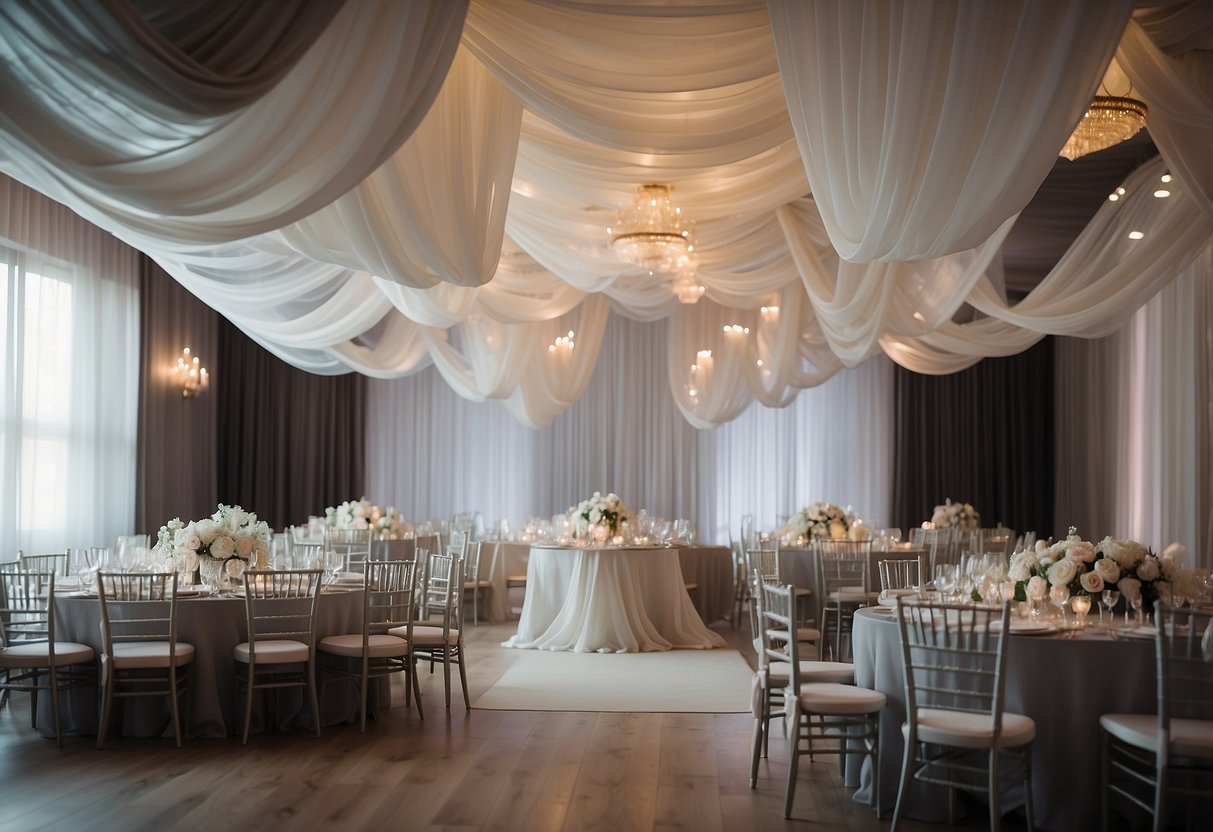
1032	628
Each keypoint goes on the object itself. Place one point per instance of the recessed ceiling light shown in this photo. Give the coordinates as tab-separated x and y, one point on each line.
1162	193
1135	235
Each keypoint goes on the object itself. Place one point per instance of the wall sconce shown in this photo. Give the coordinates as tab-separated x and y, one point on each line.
190	377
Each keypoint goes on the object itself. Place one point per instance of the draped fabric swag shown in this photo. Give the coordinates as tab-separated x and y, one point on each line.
389	185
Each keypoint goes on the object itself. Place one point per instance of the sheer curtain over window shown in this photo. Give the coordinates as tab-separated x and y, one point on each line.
69	361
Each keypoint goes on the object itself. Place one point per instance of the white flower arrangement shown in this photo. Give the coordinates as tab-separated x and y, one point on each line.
1124	565
956	515
363	514
608	511
823	521
1135	570
231	536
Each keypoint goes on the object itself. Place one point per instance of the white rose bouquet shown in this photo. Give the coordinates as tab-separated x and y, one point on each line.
1065	563
231	536
958	515
823	521
1135	570
608	511
363	514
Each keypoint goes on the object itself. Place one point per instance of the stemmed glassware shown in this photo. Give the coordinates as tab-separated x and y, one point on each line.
333	563
1059	596
1108	600
945	579
1135	605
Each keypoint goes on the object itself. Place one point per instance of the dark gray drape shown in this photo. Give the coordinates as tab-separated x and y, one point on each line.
266	436
982	436
176	471
289	442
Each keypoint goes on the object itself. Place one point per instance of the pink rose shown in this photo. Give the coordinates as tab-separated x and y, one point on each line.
1091	582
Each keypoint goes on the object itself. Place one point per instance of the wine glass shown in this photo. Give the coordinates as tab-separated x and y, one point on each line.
945	579
1135	605
1059	596
894	534
1109	599
334	561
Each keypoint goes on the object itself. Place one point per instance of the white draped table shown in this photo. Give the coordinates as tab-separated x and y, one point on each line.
610	600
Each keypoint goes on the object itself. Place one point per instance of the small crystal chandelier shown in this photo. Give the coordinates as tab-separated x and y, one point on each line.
1111	119
652	234
687	287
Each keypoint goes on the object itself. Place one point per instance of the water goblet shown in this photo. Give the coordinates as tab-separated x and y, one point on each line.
1059	596
1109	599
333	563
945	579
894	534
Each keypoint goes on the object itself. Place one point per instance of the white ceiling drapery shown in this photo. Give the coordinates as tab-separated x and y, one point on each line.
397	184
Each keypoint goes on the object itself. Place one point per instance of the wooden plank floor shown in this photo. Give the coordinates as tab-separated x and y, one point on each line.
487	770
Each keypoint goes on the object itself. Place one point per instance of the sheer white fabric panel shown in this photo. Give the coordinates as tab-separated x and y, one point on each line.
834	442
925	126
69	378
433	453
1134	410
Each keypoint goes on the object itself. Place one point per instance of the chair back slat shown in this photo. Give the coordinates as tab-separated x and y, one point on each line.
1184	659
390	595
281	604
56	563
954	657
354	546
765	559
26	606
843	564
938	543
138	606
902	574
442	594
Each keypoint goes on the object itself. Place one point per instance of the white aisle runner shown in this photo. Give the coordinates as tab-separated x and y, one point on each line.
677	681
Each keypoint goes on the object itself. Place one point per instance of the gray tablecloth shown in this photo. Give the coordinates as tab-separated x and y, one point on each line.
214	626
1064	685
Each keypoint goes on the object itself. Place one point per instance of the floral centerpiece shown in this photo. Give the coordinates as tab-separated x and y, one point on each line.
363	514
1084	567
956	515
1064	563
823	521
221	546
1137	571
607	512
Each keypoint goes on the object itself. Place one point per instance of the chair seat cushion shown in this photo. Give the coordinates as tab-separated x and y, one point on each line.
833	698
812	671
1189	737
482	584
273	651
802	634
965	730
135	655
425	635
37	654
379	645
849	595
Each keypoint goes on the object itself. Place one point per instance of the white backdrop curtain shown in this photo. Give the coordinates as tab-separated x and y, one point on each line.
1135	423
432	453
69	378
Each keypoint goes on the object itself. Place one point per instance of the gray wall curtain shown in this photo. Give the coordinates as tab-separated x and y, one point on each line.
982	436
276	440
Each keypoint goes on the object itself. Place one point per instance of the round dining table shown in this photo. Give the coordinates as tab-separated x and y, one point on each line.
618	599
1064	682
214	625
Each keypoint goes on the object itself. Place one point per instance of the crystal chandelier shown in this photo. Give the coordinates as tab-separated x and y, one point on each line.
687	287
652	234
1111	119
